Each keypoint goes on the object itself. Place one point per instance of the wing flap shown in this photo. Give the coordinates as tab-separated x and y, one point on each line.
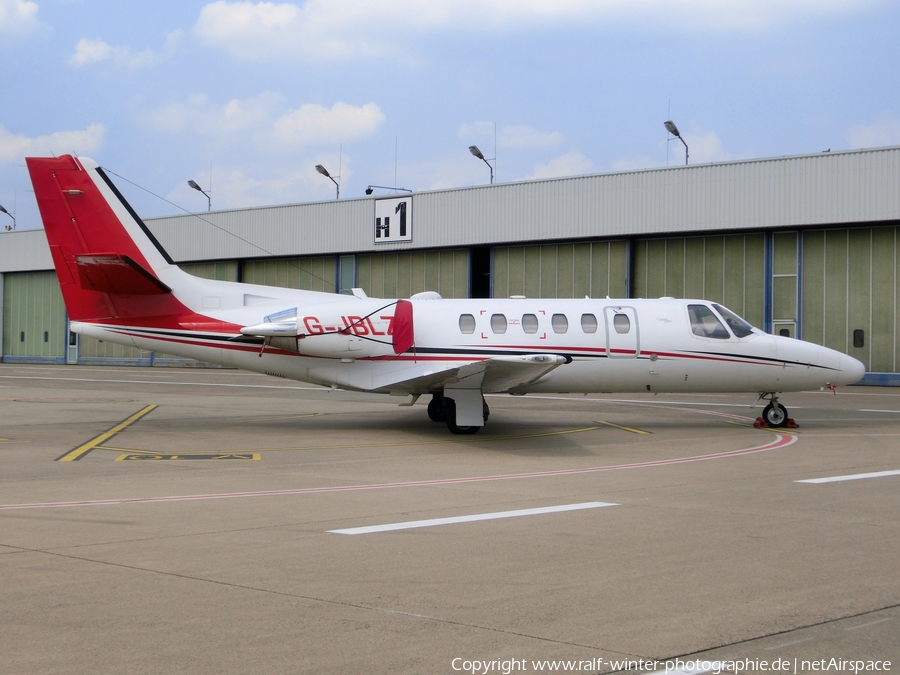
495	375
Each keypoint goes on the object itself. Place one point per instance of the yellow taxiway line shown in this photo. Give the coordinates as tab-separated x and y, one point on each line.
77	453
618	426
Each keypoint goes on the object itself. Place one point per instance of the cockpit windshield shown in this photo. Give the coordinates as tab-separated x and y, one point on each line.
706	324
737	325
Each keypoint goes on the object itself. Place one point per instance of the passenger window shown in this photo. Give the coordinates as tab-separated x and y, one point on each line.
560	323
466	323
589	323
705	324
498	323
621	323
529	323
737	325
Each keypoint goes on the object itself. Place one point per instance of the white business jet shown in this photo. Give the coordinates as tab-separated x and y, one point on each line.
119	285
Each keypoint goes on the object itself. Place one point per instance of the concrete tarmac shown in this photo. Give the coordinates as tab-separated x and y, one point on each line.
184	521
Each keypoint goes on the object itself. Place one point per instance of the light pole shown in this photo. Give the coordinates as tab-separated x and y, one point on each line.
475	151
200	189
383	187
672	129
8	228
322	170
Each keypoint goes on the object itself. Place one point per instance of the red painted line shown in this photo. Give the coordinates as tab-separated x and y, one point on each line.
779	442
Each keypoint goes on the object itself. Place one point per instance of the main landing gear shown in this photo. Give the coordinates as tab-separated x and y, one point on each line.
774	414
443	409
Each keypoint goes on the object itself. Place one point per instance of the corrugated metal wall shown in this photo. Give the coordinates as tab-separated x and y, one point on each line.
827	188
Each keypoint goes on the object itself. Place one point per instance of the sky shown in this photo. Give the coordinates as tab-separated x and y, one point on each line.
246	98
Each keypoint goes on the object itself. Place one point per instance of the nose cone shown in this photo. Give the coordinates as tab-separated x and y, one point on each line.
851	370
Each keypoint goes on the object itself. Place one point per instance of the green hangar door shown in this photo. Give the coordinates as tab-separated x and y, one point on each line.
34	319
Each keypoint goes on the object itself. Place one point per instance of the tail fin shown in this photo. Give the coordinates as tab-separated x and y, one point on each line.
108	263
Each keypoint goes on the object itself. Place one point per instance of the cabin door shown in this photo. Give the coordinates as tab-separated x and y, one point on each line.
622	338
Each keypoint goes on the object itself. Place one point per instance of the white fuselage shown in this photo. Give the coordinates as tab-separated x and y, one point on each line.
653	348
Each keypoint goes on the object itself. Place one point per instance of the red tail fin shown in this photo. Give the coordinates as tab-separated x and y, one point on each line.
105	258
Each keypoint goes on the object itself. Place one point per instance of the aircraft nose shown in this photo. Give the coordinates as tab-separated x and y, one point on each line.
852	370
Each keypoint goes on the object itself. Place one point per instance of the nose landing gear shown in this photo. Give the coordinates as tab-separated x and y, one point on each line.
774	414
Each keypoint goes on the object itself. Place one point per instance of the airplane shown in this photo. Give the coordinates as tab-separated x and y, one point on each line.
120	285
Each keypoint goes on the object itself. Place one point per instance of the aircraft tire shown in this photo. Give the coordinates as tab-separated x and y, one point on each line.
775	415
436	411
450	411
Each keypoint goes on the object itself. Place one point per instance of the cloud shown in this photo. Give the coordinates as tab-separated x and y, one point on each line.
571	164
705	148
634	163
875	135
344	29
18	17
88	52
239	187
268	120
510	137
264	30
13	147
313	123
200	116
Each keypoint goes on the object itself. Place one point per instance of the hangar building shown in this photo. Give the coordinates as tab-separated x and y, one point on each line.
806	246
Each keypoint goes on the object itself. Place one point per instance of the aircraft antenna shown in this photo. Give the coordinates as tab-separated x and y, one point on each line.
218	227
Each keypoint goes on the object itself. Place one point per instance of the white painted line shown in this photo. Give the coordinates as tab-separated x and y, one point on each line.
855	476
162	382
779	442
884	411
871	623
470	519
789	644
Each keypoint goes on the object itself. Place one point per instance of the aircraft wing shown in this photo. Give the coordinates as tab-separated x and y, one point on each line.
494	375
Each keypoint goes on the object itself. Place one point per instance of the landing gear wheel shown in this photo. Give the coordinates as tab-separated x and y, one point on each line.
436	411
775	415
450	411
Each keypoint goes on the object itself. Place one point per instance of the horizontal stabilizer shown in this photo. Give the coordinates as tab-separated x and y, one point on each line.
116	273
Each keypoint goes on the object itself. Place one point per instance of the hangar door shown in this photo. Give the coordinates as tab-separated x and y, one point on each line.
851	293
402	274
308	274
34	318
596	269
729	269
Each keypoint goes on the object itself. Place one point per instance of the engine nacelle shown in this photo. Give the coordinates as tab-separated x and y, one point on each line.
383	331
